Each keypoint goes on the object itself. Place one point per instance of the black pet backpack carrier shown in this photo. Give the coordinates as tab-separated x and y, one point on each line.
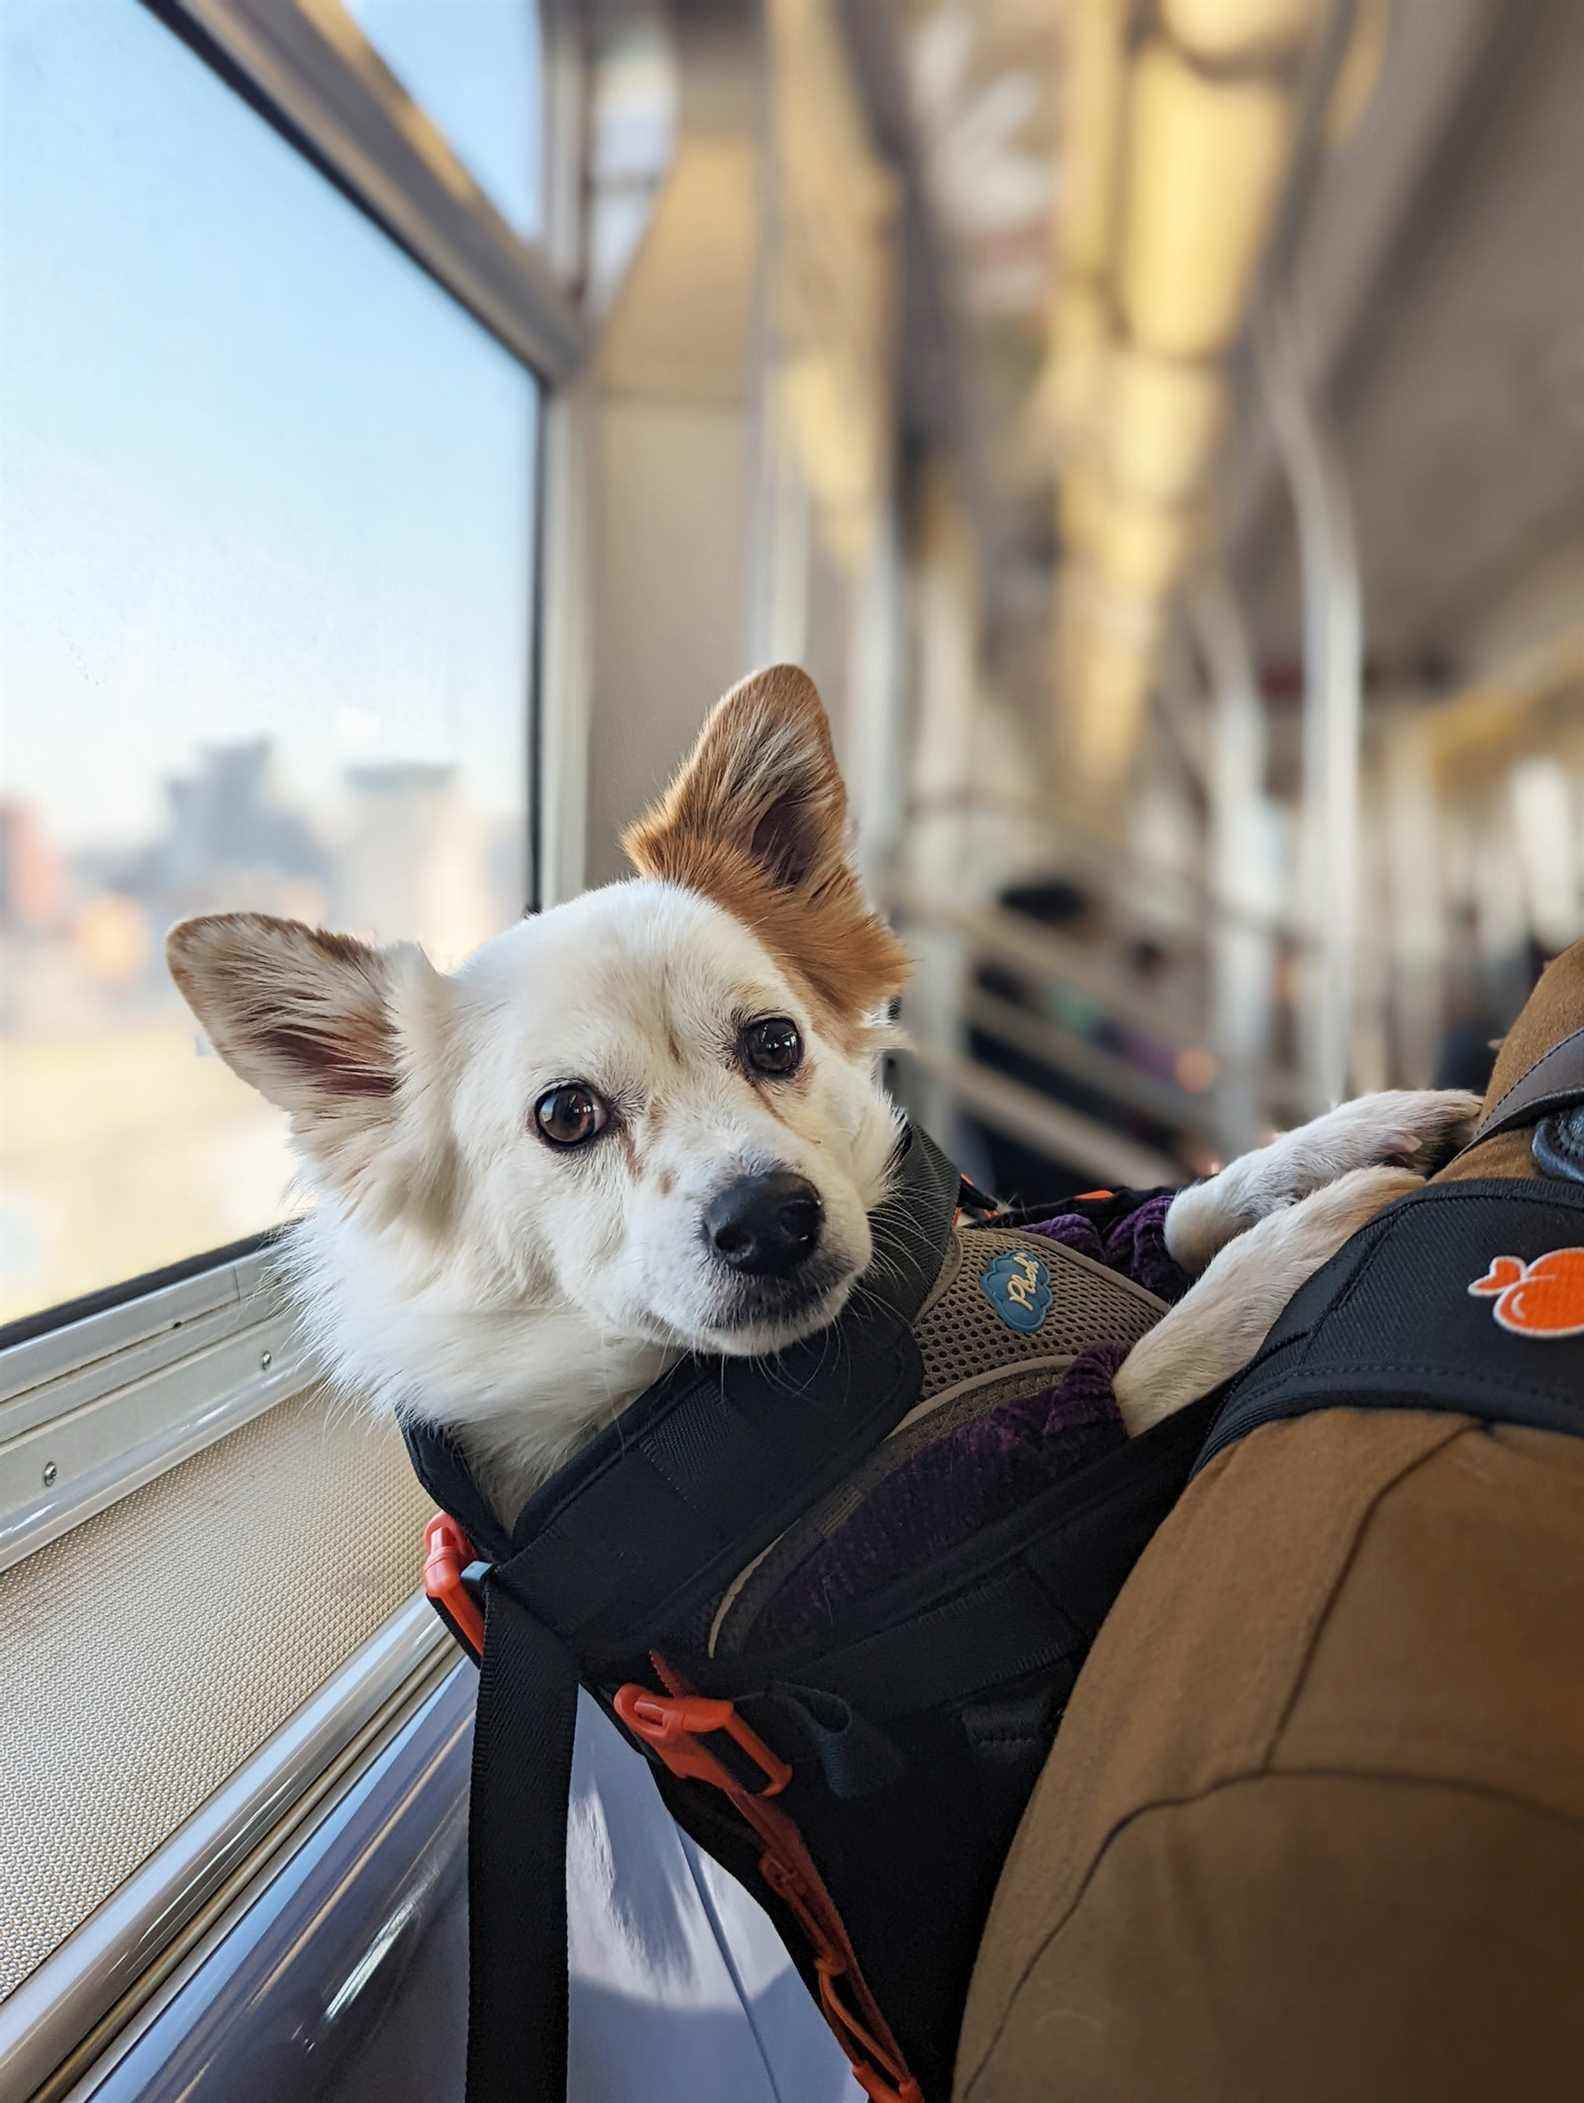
864	1786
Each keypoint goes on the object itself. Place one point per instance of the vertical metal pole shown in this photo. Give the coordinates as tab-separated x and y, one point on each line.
1333	655
1242	950
879	770
569	435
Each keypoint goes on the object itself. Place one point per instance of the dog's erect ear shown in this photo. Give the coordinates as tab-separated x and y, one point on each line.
328	1028
762	780
303	1016
757	821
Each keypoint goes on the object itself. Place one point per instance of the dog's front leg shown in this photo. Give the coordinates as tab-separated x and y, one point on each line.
1408	1127
1219	1323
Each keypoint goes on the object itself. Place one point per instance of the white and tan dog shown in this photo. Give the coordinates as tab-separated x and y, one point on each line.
650	1121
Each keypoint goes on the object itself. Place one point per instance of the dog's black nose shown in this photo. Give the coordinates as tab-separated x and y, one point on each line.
765	1226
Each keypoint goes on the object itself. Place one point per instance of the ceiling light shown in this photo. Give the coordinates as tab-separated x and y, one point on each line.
1092	129
1140	546
1220	30
1205	165
1080	336
1162	421
1103	691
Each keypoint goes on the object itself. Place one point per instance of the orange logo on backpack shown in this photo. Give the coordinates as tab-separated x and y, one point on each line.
1543	1298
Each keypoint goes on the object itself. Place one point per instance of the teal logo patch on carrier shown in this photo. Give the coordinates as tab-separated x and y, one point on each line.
1017	1285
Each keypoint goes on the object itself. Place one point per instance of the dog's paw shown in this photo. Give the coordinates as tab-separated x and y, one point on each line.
1419	1128
1218	1325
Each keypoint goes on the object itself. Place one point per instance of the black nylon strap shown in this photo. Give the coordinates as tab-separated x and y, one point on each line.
1555	1079
438	1464
738	1458
1003	1629
517	1823
1391	1322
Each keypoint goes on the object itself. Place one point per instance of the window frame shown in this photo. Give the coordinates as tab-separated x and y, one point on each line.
94	1407
101	1394
344	111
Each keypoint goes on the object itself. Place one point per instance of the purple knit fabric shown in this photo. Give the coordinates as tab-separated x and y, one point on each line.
949	1491
989	1466
1135	1245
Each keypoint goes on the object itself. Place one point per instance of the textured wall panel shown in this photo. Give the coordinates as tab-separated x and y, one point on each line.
148	1653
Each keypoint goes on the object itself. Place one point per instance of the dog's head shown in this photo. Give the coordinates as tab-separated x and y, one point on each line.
657	1105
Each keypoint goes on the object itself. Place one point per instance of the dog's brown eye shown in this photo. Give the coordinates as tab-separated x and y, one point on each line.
773	1045
570	1114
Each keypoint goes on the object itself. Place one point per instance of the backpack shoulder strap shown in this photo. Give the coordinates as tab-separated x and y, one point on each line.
517	1843
1466	1297
1554	1080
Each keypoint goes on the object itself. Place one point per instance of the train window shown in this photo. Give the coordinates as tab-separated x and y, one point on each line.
268	523
475	69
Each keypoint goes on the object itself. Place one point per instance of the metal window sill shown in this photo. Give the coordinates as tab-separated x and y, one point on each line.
94	1410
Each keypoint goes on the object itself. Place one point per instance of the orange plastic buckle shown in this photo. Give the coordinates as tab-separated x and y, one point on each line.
873	2068
674	1723
892	2085
447	1553
788	1886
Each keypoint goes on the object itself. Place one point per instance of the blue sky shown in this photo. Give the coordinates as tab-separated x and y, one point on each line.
474	65
257	472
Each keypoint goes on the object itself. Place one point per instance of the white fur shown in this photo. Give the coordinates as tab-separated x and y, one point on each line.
555	1286
1402	1125
1221	1321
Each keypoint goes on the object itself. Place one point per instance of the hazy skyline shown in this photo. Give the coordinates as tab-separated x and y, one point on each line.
259	474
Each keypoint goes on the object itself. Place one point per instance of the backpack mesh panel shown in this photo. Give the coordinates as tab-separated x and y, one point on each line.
961	1336
973	1361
